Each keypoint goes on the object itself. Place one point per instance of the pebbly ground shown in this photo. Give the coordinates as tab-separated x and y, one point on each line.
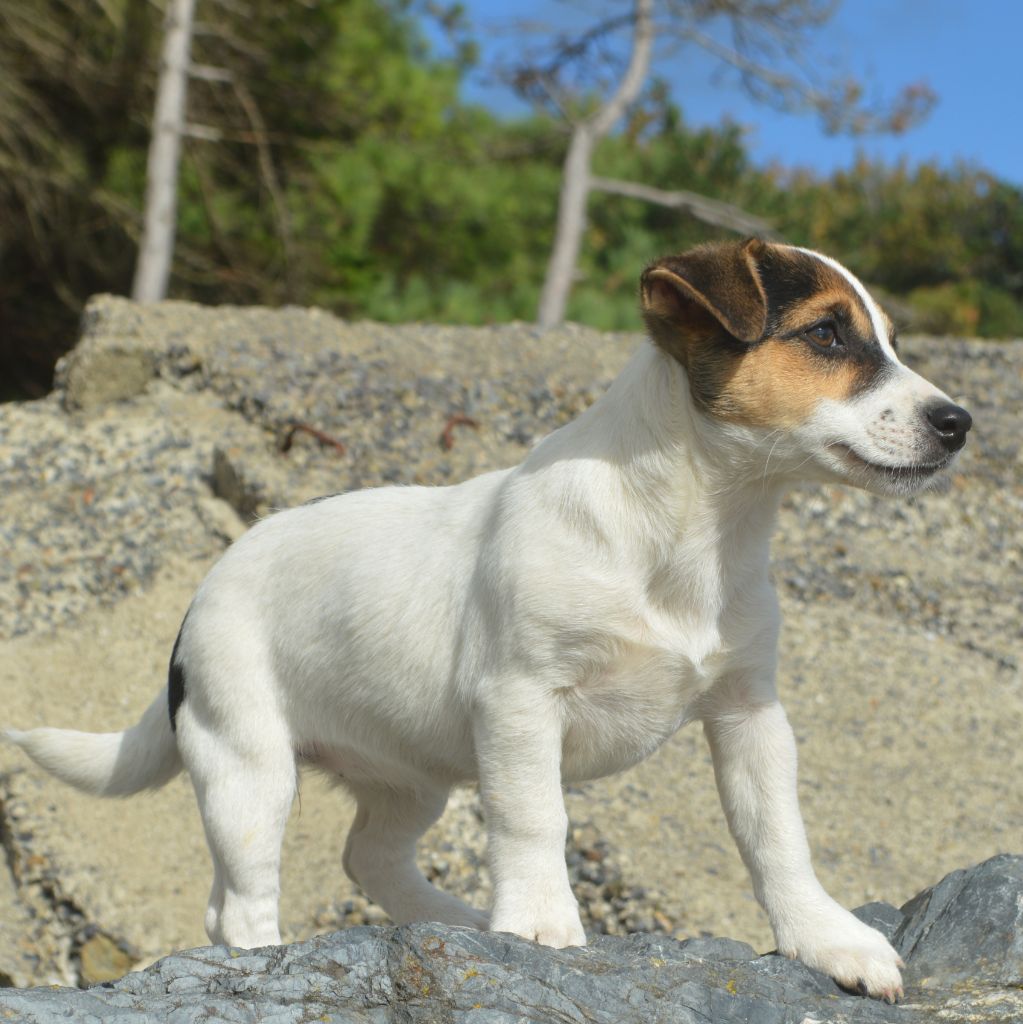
172	426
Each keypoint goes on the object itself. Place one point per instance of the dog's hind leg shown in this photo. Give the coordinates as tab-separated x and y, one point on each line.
380	856
244	799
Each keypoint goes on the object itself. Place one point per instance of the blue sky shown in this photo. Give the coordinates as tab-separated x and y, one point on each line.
971	54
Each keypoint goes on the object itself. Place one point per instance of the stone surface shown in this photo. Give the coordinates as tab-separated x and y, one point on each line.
17	965
430	973
101	958
900	656
968	929
115	364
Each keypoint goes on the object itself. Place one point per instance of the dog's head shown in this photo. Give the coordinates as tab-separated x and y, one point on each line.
787	342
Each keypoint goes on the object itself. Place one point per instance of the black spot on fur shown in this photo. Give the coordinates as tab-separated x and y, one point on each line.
322	497
176	680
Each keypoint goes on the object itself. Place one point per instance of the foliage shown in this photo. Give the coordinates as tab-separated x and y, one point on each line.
72	88
331	161
949	241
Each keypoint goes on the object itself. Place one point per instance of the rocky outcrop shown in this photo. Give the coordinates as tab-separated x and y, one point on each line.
172	426
962	942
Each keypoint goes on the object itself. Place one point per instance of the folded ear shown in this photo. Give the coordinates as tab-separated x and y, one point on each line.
695	294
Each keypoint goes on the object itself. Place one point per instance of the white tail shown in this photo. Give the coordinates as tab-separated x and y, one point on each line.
108	763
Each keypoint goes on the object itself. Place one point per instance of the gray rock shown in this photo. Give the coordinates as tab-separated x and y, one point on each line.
882	916
115	366
968	928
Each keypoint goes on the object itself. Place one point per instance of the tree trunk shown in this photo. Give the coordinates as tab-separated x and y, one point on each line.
156	249
568	235
575	181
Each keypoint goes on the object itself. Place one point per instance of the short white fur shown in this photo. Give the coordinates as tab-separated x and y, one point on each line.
555	621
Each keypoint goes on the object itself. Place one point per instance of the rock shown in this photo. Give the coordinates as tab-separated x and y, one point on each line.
16	960
101	958
968	929
429	973
882	916
242	486
113	365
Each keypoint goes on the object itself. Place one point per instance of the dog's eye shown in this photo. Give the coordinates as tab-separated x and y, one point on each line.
823	335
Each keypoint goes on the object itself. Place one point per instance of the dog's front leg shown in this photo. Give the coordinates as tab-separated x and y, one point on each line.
518	748
754	755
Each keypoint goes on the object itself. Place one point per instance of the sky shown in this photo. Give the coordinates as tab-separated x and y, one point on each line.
971	55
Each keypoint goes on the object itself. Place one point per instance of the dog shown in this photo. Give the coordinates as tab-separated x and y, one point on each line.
549	623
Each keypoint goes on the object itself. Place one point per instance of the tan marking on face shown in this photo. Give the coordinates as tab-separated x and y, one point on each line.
823	305
776	384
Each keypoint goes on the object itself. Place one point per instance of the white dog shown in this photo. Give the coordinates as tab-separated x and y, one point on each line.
553	622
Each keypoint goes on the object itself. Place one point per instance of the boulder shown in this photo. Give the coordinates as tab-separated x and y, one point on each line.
961	939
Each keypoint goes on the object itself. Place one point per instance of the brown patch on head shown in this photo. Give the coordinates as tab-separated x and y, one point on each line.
696	295
736	316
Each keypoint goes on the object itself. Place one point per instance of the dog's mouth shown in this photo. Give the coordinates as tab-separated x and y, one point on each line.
906	472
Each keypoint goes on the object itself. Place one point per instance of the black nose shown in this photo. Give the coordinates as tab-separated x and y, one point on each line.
951	422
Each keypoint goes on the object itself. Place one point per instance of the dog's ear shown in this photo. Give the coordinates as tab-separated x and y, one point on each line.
693	296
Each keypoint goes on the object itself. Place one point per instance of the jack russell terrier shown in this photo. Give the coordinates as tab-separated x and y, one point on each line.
549	623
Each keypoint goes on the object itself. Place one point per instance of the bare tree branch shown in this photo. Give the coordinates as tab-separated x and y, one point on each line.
710	211
635	75
202	132
208	73
539	81
268	170
838	102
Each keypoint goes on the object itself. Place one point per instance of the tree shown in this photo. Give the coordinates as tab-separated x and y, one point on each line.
277	100
327	159
576	182
156	250
73	95
767	41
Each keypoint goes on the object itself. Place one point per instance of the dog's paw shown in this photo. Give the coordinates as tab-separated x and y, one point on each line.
556	926
857	956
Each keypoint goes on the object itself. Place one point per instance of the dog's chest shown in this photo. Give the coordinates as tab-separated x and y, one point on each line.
636	695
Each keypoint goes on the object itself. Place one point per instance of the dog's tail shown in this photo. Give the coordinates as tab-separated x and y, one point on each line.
108	763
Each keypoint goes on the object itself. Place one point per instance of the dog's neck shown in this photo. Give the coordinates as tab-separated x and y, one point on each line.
656	476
